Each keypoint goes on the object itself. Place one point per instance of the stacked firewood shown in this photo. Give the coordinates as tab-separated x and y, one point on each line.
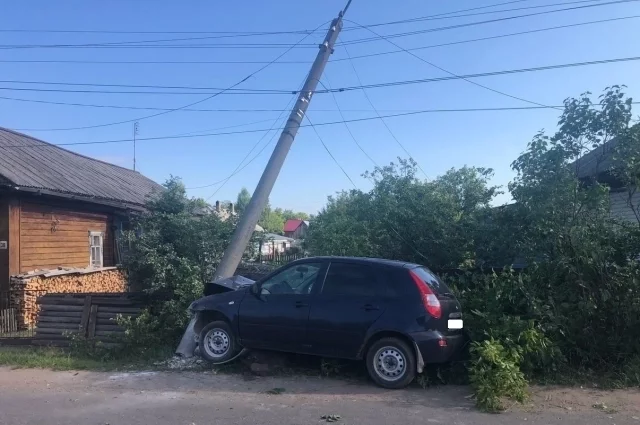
27	288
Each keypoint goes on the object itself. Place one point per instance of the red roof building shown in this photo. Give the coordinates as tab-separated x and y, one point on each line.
296	229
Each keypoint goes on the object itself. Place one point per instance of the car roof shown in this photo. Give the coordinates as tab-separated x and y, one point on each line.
363	260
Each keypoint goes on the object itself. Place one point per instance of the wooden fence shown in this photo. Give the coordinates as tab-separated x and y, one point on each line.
279	259
8	322
89	315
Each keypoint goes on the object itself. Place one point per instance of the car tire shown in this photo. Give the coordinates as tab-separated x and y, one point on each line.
391	363
218	342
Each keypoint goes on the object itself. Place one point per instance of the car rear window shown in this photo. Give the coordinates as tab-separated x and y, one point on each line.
432	280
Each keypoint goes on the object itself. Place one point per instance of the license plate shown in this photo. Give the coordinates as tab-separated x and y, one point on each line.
455	324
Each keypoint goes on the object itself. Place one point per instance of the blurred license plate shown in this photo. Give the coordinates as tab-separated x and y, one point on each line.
455	324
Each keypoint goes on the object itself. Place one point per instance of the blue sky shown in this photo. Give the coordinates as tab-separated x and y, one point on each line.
438	141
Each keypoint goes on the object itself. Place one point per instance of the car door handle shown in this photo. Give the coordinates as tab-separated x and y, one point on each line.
370	307
300	304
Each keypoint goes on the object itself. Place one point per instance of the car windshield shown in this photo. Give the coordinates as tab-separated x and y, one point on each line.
432	280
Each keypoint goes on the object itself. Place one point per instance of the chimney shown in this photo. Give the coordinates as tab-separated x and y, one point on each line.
232	208
217	206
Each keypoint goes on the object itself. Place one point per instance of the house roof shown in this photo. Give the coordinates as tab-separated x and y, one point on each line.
277	237
291	225
596	161
30	163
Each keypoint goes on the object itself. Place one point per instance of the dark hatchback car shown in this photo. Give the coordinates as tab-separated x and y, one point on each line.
396	316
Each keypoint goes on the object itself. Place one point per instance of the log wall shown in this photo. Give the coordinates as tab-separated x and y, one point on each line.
52	236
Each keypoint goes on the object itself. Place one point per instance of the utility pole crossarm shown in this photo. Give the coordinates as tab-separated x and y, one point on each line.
242	235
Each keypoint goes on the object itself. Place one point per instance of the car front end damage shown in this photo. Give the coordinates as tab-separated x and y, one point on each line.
198	309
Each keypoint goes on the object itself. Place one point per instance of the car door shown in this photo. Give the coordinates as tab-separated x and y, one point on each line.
274	315
348	303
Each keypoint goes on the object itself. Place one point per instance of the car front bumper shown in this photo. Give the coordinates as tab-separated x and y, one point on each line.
436	347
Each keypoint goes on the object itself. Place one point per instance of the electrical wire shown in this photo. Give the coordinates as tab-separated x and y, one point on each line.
192	103
469	24
440	16
239	167
341	122
366	95
328	86
149	108
227	34
473	40
236	170
329	152
59	83
452	76
247	62
140	43
455	75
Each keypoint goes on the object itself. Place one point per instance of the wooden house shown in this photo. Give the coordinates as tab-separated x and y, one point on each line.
61	209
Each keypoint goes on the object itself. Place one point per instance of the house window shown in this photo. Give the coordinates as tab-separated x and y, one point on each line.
95	244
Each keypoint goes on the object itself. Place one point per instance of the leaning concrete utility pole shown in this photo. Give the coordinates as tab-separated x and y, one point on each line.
253	211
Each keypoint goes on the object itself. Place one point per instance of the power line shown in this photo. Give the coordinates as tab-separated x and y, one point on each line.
223	33
158	46
190	104
411	33
324	91
150	108
59	83
341	122
140	44
440	16
484	74
239	167
236	170
329	152
453	74
226	34
364	91
249	62
226	91
473	40
344	119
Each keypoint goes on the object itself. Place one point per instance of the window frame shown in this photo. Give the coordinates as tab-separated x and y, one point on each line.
92	235
321	273
378	289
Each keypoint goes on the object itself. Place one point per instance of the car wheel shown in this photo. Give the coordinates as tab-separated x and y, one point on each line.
218	342
391	363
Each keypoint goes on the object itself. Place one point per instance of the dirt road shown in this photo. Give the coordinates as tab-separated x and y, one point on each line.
37	397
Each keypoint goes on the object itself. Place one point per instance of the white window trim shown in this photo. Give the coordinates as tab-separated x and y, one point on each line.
91	246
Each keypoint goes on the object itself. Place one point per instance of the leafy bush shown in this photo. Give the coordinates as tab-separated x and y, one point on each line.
174	248
495	374
576	306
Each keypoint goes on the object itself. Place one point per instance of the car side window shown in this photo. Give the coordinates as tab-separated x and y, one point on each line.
293	280
345	279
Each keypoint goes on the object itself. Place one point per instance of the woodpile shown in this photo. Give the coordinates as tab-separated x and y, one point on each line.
27	288
91	316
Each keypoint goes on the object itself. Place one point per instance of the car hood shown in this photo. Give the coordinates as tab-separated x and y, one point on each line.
227	284
212	301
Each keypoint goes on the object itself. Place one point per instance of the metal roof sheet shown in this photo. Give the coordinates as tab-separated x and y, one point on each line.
27	162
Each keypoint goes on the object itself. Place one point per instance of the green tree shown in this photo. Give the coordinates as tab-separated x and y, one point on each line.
290	214
271	221
172	255
406	218
243	200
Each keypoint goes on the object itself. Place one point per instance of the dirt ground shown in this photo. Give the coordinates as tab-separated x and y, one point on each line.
37	397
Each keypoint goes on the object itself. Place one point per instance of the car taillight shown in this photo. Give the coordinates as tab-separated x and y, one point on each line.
429	299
